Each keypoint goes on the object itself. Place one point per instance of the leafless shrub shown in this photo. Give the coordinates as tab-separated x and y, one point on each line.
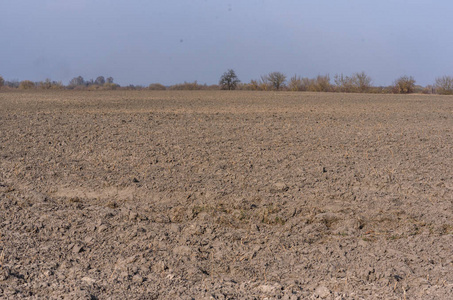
380	90
362	81
321	84
211	87
344	83
45	85
26	85
186	86
444	85
308	84
418	89
57	85
404	85
253	85
264	83
429	89
357	83
132	87
296	84
110	86
157	87
50	85
94	87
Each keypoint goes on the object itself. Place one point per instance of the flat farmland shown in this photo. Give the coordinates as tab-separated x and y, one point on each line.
229	195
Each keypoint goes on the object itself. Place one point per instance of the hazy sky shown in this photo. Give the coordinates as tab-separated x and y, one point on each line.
140	42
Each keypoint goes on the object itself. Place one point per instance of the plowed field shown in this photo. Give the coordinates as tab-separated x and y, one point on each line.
229	195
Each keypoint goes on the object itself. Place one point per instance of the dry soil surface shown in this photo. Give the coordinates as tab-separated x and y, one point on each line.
236	195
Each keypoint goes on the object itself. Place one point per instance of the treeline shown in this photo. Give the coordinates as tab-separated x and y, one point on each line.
76	83
274	81
355	83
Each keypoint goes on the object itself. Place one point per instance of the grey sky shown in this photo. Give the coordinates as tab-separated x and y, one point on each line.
140	42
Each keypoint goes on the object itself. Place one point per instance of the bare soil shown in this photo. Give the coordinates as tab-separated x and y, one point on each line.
225	195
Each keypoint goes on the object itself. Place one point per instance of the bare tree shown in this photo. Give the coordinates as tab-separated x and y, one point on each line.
2	81
110	80
45	85
276	79
229	80
404	85
254	85
444	85
362	81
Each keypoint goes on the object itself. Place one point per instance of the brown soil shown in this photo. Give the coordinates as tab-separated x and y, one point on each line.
237	195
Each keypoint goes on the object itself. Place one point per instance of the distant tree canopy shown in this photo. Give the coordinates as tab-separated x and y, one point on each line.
2	81
100	80
14	83
77	81
229	80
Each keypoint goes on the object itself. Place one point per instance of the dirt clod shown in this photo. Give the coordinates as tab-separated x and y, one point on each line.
322	292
